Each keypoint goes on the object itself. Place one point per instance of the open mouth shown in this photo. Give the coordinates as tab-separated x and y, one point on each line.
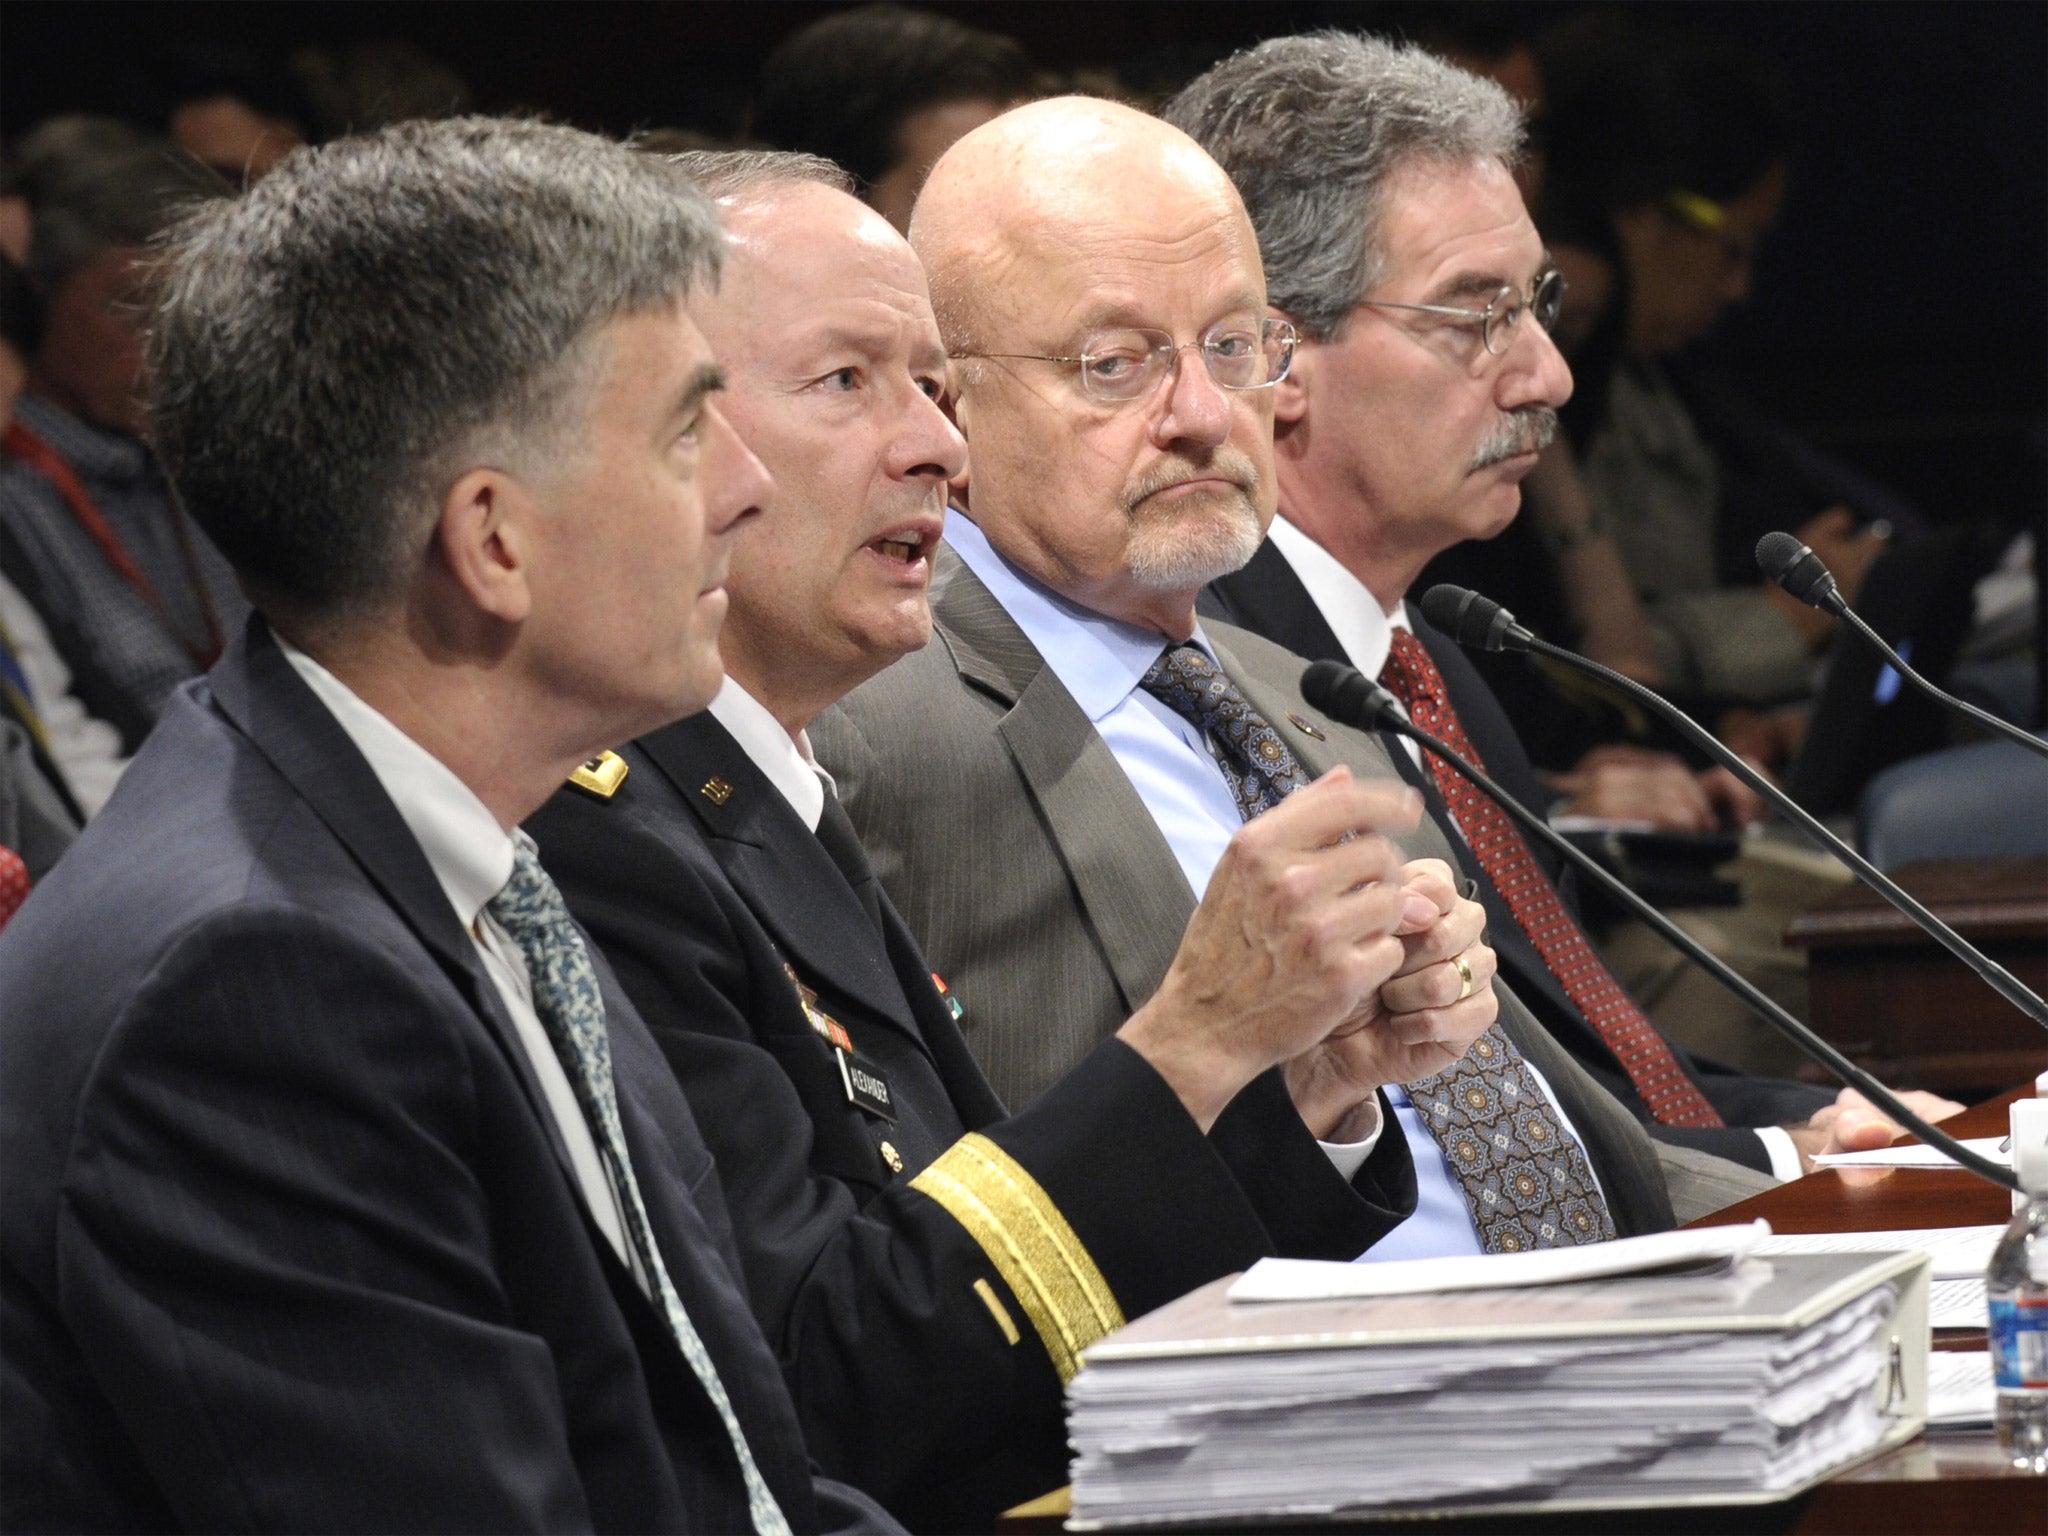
908	545
905	550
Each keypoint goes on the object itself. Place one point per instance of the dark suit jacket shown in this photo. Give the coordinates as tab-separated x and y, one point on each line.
1036	878
709	904
1267	597
289	1238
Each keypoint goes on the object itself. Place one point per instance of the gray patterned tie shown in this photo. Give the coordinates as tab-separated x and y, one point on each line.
565	995
1526	1179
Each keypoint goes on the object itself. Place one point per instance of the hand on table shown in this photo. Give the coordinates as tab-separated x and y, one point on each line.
1853	1124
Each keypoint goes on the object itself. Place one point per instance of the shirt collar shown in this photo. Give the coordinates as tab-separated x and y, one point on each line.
92	452
785	760
471	855
1353	613
1100	661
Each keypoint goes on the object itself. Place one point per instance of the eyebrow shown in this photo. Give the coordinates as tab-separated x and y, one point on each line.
1123	315
709	379
1483	285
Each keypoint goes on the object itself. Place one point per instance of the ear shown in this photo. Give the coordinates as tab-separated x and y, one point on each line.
485	538
956	412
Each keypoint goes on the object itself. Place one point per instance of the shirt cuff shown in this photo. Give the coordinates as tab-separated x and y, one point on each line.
1347	1157
1785	1165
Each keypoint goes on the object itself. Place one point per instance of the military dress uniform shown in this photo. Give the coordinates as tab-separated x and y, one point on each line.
926	1265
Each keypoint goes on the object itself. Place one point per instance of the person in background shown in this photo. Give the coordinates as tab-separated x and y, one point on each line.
134	594
883	90
236	110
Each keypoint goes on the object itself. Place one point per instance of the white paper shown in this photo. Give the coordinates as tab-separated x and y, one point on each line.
1959	1390
1959	1253
1957	1304
1914	1156
1320	1280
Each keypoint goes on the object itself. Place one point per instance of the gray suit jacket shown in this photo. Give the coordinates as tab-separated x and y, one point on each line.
1036	879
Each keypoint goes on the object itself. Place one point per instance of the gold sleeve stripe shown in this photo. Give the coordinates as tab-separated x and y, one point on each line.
996	1309
1027	1239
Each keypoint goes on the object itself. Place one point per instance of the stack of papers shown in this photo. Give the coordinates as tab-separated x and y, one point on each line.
1959	1390
1960	1255
1751	1380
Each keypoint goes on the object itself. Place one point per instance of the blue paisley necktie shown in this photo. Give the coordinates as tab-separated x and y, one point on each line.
565	995
1524	1177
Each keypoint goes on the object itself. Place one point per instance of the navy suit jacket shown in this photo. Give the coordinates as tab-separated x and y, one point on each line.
1268	598
289	1237
716	902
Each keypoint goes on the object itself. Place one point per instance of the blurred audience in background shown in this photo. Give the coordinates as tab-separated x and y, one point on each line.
885	90
133	595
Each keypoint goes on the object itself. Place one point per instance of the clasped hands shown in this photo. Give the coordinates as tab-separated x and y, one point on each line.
1317	949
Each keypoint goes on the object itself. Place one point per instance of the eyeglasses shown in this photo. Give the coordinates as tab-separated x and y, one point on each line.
1498	320
1128	364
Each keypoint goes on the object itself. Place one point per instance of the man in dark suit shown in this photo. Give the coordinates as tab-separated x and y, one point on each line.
1052	785
927	1265
1425	385
344	1187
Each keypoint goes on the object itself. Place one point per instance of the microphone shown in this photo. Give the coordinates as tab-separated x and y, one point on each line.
1803	574
1476	615
1346	694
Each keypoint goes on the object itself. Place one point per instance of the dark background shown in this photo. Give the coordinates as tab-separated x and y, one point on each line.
1901	310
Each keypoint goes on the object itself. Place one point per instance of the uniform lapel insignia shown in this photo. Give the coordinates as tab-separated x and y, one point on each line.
601	776
716	790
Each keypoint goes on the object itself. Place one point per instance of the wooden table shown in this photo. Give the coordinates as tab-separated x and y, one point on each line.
1949	1482
1897	1003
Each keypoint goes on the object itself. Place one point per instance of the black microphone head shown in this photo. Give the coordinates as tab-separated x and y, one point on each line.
1346	694
1798	570
1478	623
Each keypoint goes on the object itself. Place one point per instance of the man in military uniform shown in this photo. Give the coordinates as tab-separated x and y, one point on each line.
927	1265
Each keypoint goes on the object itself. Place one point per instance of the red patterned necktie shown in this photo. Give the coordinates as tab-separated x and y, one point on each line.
1665	1090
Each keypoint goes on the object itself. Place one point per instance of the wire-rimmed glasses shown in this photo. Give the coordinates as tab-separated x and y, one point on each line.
1128	363
1503	312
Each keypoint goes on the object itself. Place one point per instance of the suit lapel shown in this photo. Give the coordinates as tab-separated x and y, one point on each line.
256	688
778	866
1096	821
1267	597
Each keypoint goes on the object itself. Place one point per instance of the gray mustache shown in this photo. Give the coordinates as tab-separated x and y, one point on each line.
1527	429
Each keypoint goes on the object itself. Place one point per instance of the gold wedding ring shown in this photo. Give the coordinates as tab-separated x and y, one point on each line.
1465	978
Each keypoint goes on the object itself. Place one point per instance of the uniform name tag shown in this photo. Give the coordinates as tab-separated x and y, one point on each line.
866	1087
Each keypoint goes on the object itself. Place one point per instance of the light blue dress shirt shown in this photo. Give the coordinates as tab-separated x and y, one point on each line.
1101	663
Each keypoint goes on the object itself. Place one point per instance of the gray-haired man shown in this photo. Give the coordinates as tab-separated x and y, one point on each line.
1379	180
344	1187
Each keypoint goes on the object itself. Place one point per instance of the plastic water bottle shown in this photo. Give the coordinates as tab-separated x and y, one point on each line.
2016	1287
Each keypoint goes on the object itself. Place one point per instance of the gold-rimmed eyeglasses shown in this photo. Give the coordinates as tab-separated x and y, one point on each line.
1128	364
1503	312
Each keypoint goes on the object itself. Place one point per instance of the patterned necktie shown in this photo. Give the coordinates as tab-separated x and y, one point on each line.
1665	1090
565	995
1261	770
1526	1180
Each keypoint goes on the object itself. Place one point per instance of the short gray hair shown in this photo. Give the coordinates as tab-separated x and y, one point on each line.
95	184
742	173
1311	128
374	317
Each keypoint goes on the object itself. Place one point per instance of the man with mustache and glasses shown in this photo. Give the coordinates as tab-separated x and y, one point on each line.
1049	787
1424	387
926	1264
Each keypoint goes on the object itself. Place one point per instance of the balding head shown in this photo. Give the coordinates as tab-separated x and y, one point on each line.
1057	228
1021	189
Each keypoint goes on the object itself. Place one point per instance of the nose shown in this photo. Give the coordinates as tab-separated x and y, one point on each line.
1535	372
926	445
735	482
1197	407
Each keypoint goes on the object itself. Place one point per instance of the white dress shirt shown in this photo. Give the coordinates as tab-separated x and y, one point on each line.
1365	631
471	855
785	759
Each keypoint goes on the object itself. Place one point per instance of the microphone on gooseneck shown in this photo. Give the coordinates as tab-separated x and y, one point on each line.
1805	575
1480	622
1348	695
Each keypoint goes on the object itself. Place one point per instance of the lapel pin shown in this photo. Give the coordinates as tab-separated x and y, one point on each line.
1304	727
716	790
601	776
